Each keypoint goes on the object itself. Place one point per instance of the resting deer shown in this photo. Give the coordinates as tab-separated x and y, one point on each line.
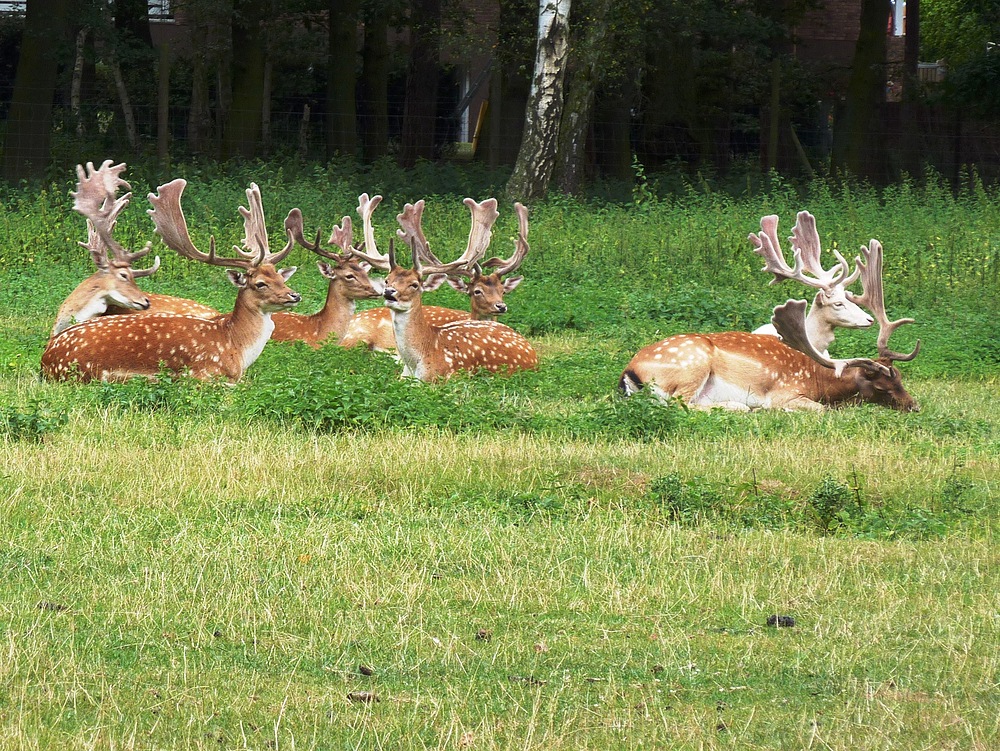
436	351
737	370
112	288
485	290
832	306
120	347
349	281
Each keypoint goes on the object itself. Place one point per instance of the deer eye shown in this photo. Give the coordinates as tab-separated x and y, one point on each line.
478	292
349	277
260	285
123	275
838	305
414	285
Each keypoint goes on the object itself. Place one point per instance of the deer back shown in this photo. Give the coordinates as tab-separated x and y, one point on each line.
115	348
373	327
745	371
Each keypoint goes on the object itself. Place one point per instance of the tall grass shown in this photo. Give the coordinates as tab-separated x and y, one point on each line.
324	556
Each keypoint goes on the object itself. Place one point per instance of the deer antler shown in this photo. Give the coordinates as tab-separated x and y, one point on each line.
368	251
873	298
789	321
255	231
520	245
171	226
95	198
806	248
484	216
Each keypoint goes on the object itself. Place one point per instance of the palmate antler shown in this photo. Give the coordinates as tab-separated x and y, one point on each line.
96	199
501	266
873	298
171	225
806	249
484	216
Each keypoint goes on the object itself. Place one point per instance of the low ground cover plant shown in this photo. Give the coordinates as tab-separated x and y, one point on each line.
324	555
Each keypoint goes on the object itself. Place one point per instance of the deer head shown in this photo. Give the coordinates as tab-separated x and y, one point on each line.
832	306
119	347
113	284
431	351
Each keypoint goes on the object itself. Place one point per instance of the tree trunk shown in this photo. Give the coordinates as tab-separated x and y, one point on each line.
420	108
910	114
342	64
135	60
856	139
543	115
374	104
29	121
510	82
163	107
586	72
243	123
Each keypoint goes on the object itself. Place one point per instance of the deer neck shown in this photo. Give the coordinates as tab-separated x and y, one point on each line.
415	337
828	386
247	329
335	315
818	329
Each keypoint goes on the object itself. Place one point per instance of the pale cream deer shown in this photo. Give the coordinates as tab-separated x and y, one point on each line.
112	288
832	306
437	351
115	348
349	282
485	290
742	371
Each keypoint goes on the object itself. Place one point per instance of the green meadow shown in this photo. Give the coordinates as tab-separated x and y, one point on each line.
325	556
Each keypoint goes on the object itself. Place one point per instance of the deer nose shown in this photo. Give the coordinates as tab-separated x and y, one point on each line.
389	293
144	303
294	297
501	307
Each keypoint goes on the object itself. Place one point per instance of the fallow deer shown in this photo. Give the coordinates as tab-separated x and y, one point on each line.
485	290
832	306
120	347
738	370
112	288
431	352
349	281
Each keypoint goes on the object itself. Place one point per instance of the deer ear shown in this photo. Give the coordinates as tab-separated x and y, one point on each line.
326	270
459	285
511	283
237	277
286	274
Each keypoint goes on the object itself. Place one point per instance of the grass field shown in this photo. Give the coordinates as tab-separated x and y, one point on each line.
323	556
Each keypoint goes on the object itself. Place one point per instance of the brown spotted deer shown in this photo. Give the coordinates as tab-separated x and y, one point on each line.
433	352
485	290
115	348
112	288
742	371
349	281
832	306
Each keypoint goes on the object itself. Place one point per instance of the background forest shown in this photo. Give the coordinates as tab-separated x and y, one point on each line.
715	87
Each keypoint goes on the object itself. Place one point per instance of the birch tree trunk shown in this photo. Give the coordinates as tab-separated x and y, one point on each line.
543	115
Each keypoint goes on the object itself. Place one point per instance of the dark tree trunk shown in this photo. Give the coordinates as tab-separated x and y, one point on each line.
510	82
374	104
29	122
587	68
857	147
342	77
243	124
910	111
420	108
137	60
613	132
